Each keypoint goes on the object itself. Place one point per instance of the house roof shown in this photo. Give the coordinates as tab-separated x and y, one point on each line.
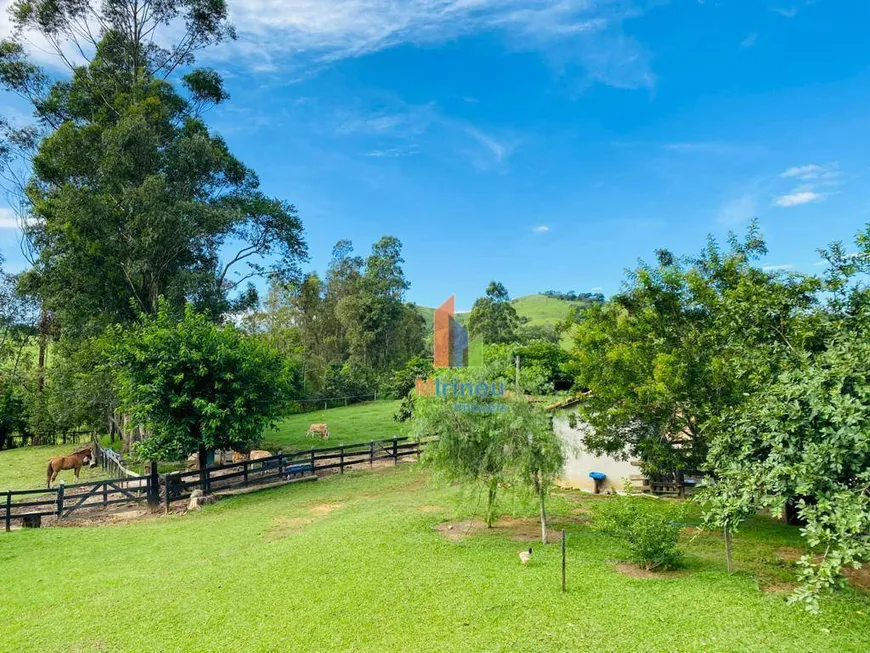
566	403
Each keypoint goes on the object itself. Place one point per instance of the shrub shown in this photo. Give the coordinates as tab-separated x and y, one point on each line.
649	530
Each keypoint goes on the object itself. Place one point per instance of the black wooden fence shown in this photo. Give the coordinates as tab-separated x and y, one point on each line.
286	466
66	437
61	502
32	505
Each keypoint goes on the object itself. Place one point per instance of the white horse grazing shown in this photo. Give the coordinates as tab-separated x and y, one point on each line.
318	429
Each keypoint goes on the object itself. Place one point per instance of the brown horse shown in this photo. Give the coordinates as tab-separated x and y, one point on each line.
74	461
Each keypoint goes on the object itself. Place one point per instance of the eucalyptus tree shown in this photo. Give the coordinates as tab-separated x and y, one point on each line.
492	317
130	196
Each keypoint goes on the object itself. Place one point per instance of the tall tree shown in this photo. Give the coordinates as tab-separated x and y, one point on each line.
666	357
131	197
493	318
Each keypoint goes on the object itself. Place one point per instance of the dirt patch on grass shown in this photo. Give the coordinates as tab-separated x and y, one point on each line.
859	578
521	530
287	526
779	587
633	571
323	509
456	531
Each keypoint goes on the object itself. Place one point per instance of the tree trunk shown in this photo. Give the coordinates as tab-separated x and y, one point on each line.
43	352
203	464
542	496
490	504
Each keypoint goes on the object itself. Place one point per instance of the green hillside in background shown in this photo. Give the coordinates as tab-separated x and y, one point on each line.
538	309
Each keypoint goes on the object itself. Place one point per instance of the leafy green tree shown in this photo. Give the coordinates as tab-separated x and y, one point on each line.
131	197
197	386
13	412
685	341
493	318
543	365
804	441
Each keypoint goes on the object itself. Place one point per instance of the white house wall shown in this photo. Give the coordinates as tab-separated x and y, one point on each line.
579	462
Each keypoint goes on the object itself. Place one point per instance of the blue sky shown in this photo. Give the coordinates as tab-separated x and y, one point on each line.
550	144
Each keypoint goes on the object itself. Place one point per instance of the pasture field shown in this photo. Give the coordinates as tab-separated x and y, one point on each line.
541	310
358	563
372	420
24	468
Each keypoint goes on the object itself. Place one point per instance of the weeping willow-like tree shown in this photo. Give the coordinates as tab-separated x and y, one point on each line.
488	442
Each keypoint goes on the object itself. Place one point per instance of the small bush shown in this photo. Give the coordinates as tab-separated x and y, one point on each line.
649	530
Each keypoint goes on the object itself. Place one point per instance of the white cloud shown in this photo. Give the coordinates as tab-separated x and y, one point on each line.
738	210
391	153
8	220
798	198
596	289
498	150
294	38
541	229
776	268
806	172
788	12
399	129
568	32
749	41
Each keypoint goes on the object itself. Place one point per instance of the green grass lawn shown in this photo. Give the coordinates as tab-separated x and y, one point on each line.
354	563
25	468
371	420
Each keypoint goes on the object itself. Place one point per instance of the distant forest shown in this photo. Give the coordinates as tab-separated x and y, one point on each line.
571	296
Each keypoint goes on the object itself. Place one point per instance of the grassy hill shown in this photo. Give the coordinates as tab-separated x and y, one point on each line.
538	309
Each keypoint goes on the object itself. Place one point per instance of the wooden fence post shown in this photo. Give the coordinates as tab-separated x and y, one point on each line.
60	489
341	461
153	486
312	460
105	494
371	452
395	451
280	465
245	469
166	488
8	511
